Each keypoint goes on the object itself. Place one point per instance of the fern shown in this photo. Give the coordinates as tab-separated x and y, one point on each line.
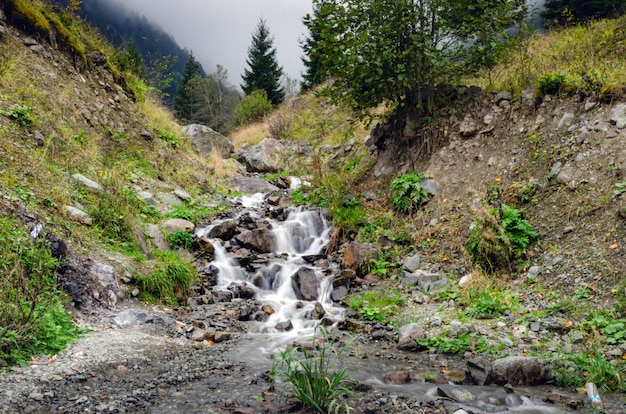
518	230
407	192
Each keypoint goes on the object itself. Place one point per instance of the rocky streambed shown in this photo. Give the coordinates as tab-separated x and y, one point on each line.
259	293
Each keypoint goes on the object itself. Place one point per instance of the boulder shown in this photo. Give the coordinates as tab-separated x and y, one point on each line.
305	284
271	155
250	185
78	215
259	240
156	238
409	334
518	370
224	230
174	225
206	140
87	183
411	263
479	369
105	288
397	377
468	127
618	116
356	255
284	326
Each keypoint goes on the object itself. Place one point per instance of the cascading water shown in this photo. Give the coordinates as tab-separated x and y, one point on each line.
293	308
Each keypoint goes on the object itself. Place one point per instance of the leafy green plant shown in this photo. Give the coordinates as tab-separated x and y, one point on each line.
377	305
195	212
407	194
21	114
168	137
552	83
458	345
498	237
488	304
32	318
179	240
620	188
576	369
315	377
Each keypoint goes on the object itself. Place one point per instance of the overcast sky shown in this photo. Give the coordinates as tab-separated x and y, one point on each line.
220	31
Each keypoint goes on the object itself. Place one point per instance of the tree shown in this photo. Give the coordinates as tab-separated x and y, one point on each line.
395	52
572	11
213	100
312	60
264	72
183	106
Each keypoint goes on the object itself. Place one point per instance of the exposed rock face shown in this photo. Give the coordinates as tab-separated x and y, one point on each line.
250	185
174	225
104	288
206	140
305	284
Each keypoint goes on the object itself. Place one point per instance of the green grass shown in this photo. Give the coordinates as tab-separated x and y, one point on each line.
168	281
377	305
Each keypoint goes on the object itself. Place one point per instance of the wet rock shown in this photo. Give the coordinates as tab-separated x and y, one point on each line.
174	225
339	293
243	291
224	296
284	326
409	334
397	377
259	240
224	230
356	255
202	247
305	284
479	370
456	394
518	370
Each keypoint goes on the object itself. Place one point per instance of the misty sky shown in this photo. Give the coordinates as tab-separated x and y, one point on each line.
220	31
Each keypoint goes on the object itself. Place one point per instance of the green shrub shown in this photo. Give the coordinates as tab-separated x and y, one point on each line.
462	343
253	107
377	305
21	114
498	237
316	377
552	83
489	304
573	370
179	240
407	194
32	318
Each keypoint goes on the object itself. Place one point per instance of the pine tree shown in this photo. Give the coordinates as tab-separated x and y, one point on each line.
264	72
312	58
183	105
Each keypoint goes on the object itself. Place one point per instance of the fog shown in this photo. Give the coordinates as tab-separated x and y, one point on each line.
220	31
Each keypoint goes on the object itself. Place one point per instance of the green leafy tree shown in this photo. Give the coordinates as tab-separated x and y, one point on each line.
394	52
312	60
183	106
263	72
213	100
567	11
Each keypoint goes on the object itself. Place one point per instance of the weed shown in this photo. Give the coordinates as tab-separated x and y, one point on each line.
169	281
194	211
179	240
488	304
316	378
24	193
620	188
168	137
21	114
463	343
575	369
552	83
377	305
32	318
407	194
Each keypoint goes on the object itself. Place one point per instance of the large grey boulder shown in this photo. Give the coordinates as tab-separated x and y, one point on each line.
272	155
518	370
250	185
305	284
259	240
356	255
409	334
206	140
105	287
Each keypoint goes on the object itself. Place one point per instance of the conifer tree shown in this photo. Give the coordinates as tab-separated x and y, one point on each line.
312	58
183	105
263	72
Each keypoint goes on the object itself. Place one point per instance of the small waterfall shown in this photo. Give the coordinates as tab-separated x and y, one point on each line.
299	239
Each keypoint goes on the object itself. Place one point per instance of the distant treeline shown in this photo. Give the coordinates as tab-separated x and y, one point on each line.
162	57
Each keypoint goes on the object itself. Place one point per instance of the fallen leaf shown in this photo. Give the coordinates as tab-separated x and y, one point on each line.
498	179
569	324
614	246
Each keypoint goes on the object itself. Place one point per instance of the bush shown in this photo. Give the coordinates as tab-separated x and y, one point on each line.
407	194
551	83
498	237
179	240
253	107
32	318
316	379
169	281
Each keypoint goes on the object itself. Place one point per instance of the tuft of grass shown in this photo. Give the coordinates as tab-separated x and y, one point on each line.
168	281
315	377
377	305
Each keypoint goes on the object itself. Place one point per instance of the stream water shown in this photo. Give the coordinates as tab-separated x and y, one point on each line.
304	233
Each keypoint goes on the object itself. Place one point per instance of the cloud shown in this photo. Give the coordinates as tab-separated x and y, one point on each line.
220	31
